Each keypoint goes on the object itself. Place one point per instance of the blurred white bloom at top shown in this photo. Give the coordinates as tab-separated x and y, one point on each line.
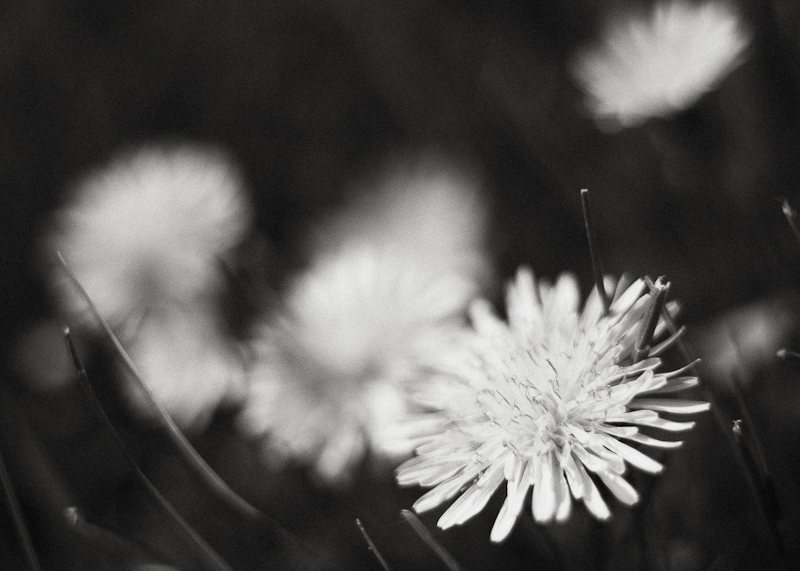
332	362
538	401
658	65
148	230
145	236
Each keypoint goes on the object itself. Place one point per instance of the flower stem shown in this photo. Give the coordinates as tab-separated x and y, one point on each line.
597	269
658	296
750	475
791	217
430	540
189	454
207	553
786	354
372	546
17	517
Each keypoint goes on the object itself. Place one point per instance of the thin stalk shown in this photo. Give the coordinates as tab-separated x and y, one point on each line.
757	466
747	436
372	546
753	450
207	553
658	296
597	268
19	520
791	217
762	489
788	355
430	541
746	471
190	455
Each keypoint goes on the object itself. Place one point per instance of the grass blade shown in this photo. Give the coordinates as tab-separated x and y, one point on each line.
372	547
430	541
190	455
16	515
207	553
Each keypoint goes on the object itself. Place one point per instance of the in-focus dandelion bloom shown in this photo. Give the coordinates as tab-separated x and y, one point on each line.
145	237
149	229
538	401
332	360
657	65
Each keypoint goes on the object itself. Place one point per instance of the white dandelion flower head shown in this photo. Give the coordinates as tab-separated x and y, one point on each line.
332	363
660	64
148	229
428	209
188	365
541	401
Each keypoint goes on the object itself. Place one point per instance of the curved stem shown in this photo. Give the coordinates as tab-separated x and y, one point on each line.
17	517
190	455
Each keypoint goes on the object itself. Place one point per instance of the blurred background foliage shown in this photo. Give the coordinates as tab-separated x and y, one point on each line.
310	96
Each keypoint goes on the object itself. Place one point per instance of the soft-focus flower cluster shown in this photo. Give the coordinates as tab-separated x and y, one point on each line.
542	401
145	237
660	64
744	340
332	360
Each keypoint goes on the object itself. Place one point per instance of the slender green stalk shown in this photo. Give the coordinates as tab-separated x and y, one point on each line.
430	540
372	546
17	517
597	268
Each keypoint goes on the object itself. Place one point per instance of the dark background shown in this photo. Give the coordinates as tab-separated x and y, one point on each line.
309	96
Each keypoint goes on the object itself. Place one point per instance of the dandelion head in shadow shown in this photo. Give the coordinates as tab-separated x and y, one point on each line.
659	64
334	359
542	400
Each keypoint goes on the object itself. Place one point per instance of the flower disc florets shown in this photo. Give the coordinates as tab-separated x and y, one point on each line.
540	400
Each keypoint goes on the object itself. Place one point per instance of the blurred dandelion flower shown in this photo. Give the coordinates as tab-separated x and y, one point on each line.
328	383
144	237
187	364
148	230
737	344
657	66
540	400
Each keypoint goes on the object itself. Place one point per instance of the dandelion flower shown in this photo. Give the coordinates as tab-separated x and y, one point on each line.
331	364
148	230
540	402
144	236
662	64
188	366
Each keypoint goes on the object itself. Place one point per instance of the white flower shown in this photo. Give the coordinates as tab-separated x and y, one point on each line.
187	364
656	66
144	236
540	400
148	230
332	362
426	209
